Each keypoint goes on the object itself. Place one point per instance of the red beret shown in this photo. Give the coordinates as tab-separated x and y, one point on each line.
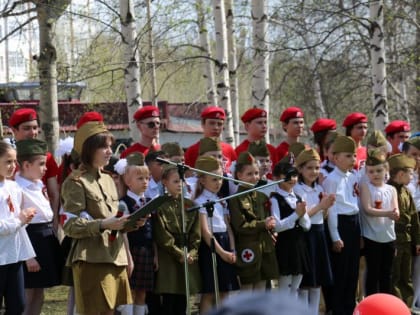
323	124
146	112
253	113
397	126
213	112
354	118
291	112
89	116
22	115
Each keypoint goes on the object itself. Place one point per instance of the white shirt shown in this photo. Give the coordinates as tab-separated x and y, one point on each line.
154	189
311	196
139	199
15	244
220	210
33	196
379	229
414	188
344	186
322	169
283	224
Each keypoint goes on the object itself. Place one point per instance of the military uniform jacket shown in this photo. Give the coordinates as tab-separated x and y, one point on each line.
407	227
256	257
167	233
89	196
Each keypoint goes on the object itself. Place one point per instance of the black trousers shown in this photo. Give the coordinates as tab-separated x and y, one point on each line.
379	257
12	290
345	266
174	304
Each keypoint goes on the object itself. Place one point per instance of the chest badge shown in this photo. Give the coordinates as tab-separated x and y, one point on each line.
10	204
247	255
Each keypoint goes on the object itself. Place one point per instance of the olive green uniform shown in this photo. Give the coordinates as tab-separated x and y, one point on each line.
407	232
256	256
167	233
89	196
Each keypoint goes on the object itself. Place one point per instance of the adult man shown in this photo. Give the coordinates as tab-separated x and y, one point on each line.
292	123
212	120
396	133
24	125
255	121
148	123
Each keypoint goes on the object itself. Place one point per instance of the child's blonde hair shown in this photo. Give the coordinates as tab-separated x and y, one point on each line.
130	171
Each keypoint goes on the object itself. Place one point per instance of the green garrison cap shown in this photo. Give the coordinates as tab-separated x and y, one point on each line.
376	139
307	155
375	157
258	148
172	149
30	147
401	161
209	144
344	144
207	163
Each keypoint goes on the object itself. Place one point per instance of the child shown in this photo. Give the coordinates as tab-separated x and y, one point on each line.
168	235
206	190
356	128
154	189
44	271
321	128
343	225
252	224
379	211
15	245
292	220
406	228
135	176
412	149
317	203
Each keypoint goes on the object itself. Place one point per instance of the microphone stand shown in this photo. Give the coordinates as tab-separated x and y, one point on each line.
210	209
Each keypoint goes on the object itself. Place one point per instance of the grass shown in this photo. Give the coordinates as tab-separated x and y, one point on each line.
55	301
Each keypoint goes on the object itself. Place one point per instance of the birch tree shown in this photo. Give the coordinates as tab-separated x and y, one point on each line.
377	51
47	14
205	48
260	76
131	63
233	64
222	67
151	54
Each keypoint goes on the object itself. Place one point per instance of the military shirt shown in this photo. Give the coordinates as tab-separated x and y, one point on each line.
407	227
89	196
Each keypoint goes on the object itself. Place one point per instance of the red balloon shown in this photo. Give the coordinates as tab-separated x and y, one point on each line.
383	304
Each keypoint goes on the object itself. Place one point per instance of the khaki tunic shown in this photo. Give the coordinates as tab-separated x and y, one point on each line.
256	256
94	192
407	232
167	233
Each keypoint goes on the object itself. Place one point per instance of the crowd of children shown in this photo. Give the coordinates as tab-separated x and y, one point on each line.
315	213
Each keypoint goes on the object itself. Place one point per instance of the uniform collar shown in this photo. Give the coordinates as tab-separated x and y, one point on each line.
208	194
284	193
26	183
134	196
306	188
341	173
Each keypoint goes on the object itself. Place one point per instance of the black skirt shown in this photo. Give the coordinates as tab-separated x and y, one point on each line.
292	252
226	273
48	255
320	273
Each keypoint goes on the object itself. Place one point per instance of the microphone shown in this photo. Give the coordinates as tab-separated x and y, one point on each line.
122	207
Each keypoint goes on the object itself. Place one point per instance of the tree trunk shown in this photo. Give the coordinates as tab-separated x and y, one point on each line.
416	52
233	64
222	68
131	63
205	47
379	80
260	76
48	106
151	54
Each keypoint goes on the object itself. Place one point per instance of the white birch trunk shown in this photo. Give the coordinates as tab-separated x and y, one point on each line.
260	76
205	47
404	101
47	67
233	64
151	54
222	68
316	85
131	63
379	80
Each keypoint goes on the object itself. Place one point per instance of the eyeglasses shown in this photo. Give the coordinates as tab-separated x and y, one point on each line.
152	124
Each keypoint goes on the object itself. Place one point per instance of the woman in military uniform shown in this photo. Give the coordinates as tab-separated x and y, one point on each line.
251	223
90	202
